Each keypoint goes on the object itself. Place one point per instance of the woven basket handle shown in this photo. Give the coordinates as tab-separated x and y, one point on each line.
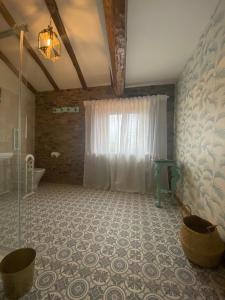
211	228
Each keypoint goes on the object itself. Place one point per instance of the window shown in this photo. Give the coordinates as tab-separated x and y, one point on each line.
122	137
117	128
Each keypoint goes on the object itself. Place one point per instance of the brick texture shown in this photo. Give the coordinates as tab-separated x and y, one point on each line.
65	132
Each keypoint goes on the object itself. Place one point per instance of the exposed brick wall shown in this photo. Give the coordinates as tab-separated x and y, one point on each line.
65	132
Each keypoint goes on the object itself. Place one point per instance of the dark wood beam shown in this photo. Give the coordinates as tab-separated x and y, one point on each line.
115	18
11	22
16	72
53	9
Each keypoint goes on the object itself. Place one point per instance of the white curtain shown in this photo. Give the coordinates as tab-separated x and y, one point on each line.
122	139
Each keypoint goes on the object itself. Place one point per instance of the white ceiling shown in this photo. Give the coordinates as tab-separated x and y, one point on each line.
82	23
161	35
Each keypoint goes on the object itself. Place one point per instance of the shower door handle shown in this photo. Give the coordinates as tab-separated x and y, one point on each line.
16	139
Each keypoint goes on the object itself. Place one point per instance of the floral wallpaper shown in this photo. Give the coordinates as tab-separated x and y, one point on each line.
200	124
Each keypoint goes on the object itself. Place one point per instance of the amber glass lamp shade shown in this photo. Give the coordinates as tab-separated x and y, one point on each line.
49	44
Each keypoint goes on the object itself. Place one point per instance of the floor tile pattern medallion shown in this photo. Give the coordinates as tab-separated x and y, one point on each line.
95	244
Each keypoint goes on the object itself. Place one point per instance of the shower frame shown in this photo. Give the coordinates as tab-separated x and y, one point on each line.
17	30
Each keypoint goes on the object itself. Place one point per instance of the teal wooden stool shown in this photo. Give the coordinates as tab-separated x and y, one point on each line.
174	176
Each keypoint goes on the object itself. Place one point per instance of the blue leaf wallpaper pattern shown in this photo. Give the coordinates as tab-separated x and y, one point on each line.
200	124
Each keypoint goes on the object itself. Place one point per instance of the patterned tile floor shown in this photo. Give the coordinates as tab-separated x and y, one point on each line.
95	244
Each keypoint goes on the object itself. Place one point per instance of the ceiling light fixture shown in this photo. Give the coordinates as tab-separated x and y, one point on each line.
49	43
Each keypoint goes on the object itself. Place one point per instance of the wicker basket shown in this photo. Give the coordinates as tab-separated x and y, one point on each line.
201	241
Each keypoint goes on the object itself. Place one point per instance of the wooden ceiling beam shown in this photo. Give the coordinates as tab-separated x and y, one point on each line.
54	12
116	23
16	72
11	22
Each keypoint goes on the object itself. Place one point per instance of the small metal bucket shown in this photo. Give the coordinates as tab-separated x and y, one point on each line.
17	272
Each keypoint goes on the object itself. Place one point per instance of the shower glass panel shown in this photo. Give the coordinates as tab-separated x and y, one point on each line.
10	142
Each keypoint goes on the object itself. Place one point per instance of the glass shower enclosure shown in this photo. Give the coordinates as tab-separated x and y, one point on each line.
11	125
